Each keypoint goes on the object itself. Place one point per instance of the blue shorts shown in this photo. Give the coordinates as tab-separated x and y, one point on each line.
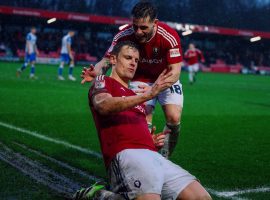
30	57
64	57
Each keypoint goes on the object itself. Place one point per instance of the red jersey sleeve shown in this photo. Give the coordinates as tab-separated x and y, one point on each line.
101	84
172	44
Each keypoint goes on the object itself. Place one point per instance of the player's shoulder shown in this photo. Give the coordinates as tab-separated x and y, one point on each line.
101	81
168	34
68	38
166	28
198	50
29	36
126	32
189	51
101	78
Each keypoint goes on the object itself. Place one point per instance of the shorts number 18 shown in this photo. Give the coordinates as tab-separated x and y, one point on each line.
176	89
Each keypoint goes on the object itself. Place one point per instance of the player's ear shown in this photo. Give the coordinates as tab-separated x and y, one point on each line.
113	59
156	22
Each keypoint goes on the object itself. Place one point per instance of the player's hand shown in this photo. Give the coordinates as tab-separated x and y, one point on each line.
163	82
159	138
142	89
88	74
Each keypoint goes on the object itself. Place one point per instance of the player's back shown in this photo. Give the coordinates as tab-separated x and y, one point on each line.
66	40
31	40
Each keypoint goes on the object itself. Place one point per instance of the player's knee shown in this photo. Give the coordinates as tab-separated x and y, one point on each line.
204	197
173	118
201	196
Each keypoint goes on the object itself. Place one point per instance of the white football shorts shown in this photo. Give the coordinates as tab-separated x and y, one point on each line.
172	95
194	68
134	172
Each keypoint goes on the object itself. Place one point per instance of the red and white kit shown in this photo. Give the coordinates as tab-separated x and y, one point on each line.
134	166
193	57
119	131
163	49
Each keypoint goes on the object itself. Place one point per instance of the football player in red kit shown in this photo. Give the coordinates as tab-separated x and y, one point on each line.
193	56
135	169
160	49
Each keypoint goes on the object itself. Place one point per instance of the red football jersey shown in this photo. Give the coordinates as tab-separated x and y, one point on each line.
124	130
162	49
193	56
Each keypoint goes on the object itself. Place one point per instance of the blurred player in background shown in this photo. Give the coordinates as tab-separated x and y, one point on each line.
193	56
135	169
30	53
160	48
66	57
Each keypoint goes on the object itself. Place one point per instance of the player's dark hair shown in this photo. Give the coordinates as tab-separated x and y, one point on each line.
143	10
117	48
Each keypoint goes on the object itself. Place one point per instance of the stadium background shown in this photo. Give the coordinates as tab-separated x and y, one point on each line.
225	126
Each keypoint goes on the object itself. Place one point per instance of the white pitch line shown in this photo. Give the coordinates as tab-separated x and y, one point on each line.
229	194
60	163
53	140
240	192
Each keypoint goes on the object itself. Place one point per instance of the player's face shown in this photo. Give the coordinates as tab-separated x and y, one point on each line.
72	33
144	29
191	46
126	62
33	30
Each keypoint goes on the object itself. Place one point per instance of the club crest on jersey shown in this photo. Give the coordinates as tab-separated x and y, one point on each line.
175	53
155	51
100	82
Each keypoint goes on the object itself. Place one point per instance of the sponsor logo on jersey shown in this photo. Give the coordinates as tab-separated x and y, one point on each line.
140	108
151	61
174	53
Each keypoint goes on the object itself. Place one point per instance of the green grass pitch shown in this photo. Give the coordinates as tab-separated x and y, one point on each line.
225	131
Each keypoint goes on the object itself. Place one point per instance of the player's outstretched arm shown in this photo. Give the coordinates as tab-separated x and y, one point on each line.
88	74
105	104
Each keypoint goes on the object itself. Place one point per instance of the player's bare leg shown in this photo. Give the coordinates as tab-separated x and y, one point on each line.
173	117
194	191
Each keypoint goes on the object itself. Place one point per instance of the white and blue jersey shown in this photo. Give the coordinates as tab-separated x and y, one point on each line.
30	49
66	41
